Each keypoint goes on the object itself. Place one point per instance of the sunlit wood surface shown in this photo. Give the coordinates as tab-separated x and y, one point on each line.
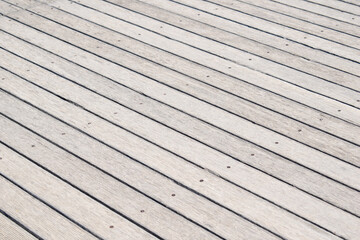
180	119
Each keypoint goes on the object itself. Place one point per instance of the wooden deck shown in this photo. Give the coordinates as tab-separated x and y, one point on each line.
180	119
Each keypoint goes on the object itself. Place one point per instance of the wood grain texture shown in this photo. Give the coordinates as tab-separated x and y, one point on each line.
335	109
222	102
345	51
106	189
179	144
12	231
322	10
213	187
271	41
307	16
204	119
201	131
32	213
231	123
238	49
338	5
215	30
72	203
290	23
210	53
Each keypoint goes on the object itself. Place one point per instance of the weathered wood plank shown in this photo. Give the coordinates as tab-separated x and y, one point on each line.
308	6
345	110
262	38
291	34
244	91
145	119
352	2
222	100
206	211
191	22
307	16
11	231
230	196
233	124
209	60
180	122
169	140
82	209
289	22
115	194
338	5
224	55
339	148
35	215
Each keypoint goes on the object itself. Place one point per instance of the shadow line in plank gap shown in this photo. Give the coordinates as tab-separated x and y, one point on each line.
187	60
305	10
281	37
202	121
77	105
35	235
44	202
163	124
179	131
100	169
119	151
219	56
300	19
192	97
327	6
239	35
293	28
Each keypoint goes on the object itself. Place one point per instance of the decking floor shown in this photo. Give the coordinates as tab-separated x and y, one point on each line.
180	119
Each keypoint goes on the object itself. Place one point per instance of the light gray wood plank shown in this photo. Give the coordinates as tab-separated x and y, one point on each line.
315	42
73	203
213	187
243	90
148	181
191	127
300	153
272	189
215	62
334	146
334	110
142	178
35	215
307	16
20	5
8	9
350	18
11	231
339	5
353	2
171	155
281	58
289	22
115	194
221	51
271	41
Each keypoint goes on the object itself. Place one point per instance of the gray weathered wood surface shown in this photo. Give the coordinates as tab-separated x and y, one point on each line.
179	119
